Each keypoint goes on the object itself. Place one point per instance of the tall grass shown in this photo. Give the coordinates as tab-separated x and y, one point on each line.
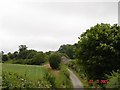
61	75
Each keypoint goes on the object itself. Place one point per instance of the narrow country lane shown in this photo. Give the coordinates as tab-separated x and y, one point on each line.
76	82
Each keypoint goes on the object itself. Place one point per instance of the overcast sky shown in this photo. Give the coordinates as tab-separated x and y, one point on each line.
45	26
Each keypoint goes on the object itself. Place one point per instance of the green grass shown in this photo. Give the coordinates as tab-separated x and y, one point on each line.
62	79
24	76
32	72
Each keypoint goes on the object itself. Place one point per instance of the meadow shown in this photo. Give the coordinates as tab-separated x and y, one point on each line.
32	72
34	76
24	76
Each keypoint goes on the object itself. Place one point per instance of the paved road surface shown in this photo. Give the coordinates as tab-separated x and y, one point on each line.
76	82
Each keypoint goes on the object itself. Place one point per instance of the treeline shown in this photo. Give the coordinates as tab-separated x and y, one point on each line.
33	57
25	56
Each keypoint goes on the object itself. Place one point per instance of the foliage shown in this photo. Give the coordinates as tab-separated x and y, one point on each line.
114	80
98	50
10	55
4	57
78	68
31	54
65	71
33	72
14	80
63	78
68	49
66	78
49	77
55	60
22	48
25	56
38	59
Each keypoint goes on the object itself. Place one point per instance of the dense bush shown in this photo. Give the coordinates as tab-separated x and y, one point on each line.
98	50
18	61
55	60
68	49
31	57
4	58
38	59
23	54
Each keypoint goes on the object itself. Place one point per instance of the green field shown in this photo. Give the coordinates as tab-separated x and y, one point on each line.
34	76
32	72
24	76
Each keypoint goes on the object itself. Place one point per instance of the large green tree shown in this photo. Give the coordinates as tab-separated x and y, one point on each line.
98	50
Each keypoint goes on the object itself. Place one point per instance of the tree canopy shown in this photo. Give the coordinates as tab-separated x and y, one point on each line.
98	50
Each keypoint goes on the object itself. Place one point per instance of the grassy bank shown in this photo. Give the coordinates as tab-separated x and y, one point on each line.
61	76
